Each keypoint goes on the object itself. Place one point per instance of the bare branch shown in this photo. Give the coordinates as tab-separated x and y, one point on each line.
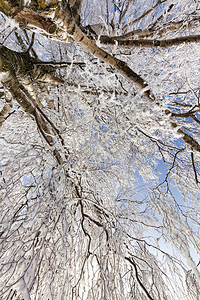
194	168
25	16
154	43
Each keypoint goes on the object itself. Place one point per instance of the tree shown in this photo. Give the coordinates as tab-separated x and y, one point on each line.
99	151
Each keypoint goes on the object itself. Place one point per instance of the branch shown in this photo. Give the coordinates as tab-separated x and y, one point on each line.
143	15
59	65
24	16
64	15
160	30
6	109
131	261
22	65
194	168
123	12
76	6
188	139
82	40
18	66
147	43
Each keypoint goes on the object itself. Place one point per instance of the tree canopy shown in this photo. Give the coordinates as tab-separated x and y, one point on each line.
99	149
